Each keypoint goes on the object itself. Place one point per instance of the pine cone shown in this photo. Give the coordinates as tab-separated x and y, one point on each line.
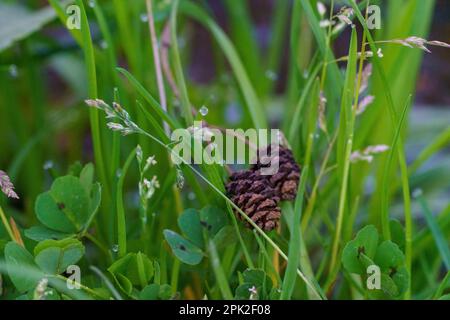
247	181
252	193
262	210
286	180
258	195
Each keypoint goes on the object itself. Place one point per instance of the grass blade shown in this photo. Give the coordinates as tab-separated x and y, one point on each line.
438	236
294	241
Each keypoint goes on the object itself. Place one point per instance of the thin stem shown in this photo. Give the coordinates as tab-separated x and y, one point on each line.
85	288
157	61
6	224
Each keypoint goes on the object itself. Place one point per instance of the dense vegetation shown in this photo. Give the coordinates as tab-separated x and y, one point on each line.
89	184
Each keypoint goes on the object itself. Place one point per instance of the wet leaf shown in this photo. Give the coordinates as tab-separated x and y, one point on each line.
65	207
54	256
365	242
189	223
183	249
22	270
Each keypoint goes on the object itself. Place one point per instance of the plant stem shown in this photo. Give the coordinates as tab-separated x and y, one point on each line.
6	224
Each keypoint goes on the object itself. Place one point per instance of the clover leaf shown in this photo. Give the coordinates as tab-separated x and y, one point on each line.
360	251
54	256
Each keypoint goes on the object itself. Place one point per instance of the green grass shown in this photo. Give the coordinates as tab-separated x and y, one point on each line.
124	252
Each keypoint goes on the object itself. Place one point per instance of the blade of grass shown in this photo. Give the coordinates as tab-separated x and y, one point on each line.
294	241
444	284
157	60
386	230
297	118
242	34
346	137
435	146
218	271
401	156
149	98
250	96
121	219
438	236
185	103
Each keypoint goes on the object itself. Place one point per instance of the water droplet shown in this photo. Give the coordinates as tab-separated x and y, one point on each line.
272	75
191	196
115	248
144	17
91	3
305	74
417	193
118	173
48	165
180	179
13	71
104	44
203	111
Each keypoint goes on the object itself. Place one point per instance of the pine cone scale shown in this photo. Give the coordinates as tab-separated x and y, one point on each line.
258	195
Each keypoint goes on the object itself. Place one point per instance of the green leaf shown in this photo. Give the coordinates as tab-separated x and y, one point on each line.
225	237
397	233
54	256
150	292
251	98
212	219
18	23
87	177
391	261
22	270
41	233
183	249
365	242
94	204
389	256
65	207
156	292
124	283
388	286
189	223
136	267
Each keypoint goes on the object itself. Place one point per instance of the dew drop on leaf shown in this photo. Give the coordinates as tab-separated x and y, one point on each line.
271	75
104	44
13	71
204	111
144	17
191	196
115	248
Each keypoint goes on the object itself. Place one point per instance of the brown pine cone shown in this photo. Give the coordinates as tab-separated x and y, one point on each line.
258	195
247	181
262	210
252	193
286	180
